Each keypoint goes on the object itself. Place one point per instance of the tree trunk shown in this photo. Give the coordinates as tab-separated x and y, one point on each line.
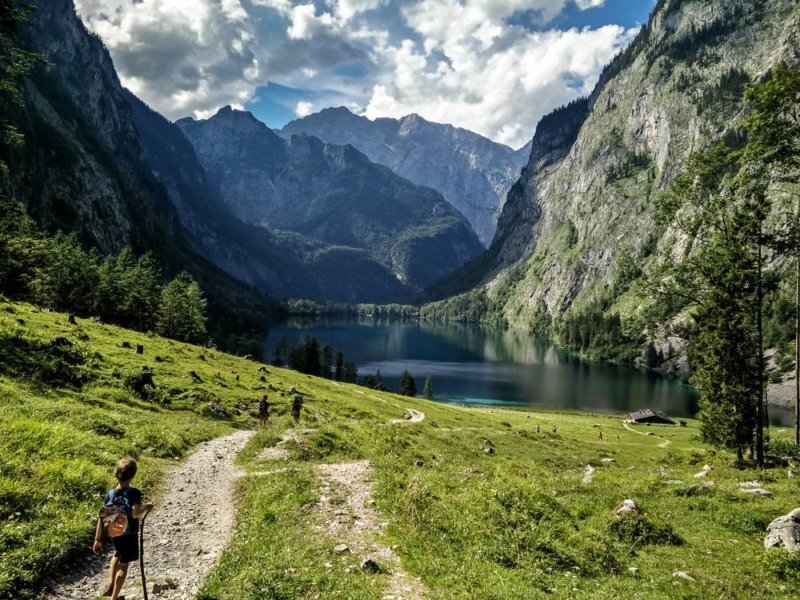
797	353
760	404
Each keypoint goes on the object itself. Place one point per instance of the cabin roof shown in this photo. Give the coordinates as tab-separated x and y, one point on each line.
650	415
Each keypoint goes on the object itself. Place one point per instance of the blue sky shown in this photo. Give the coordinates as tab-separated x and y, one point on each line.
493	66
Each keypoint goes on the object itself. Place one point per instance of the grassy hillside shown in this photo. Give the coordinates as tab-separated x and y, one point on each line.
517	523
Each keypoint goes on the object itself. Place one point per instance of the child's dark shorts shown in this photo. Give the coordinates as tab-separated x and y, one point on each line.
126	548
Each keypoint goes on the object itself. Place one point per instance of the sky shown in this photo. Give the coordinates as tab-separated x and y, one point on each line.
492	66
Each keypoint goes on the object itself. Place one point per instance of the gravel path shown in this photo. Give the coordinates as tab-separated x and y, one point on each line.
412	416
184	535
357	523
664	443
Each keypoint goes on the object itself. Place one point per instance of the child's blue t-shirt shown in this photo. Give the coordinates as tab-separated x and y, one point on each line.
133	496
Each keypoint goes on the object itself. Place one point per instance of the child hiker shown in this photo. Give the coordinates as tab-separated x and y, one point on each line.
122	509
263	410
297	406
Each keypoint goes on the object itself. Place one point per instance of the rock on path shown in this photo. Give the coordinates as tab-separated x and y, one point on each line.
356	524
184	535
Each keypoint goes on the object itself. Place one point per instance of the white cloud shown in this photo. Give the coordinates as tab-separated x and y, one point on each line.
180	56
305	22
474	70
466	62
587	4
347	9
303	108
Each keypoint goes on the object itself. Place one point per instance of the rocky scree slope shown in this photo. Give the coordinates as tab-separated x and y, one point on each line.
331	194
472	172
585	199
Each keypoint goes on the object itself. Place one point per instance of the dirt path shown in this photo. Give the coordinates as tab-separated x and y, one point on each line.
348	516
412	416
279	451
664	441
184	535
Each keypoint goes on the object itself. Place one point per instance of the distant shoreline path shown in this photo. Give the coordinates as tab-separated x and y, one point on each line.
186	532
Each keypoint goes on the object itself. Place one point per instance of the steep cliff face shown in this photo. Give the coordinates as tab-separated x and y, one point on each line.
585	197
82	168
332	194
472	172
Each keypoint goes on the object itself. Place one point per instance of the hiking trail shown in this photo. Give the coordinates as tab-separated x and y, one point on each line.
356	523
184	535
664	441
412	416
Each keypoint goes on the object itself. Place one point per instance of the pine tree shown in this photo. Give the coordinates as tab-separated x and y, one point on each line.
774	127
350	372
327	361
279	358
182	312
313	365
408	386
427	391
720	206
338	374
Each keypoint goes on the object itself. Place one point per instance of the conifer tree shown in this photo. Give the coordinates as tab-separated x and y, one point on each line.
427	390
774	127
182	312
722	280
408	387
338	374
327	361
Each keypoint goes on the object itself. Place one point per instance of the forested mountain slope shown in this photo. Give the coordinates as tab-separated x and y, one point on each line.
584	204
472	172
332	194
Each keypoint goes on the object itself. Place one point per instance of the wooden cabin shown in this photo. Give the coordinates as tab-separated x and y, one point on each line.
648	416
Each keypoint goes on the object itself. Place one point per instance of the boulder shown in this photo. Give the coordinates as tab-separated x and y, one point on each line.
784	532
683	575
626	508
704	472
757	492
588	474
341	549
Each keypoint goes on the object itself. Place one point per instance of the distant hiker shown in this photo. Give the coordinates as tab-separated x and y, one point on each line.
555	429
263	410
537	429
297	406
601	437
119	517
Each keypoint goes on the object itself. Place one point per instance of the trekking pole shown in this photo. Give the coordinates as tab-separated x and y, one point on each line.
141	555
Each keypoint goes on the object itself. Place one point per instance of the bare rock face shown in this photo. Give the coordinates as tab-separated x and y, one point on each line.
784	532
472	172
584	201
333	195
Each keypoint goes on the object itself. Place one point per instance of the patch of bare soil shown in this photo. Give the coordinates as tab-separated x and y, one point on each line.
348	515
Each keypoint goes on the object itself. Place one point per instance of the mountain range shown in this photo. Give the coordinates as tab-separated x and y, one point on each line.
100	163
580	223
472	172
332	194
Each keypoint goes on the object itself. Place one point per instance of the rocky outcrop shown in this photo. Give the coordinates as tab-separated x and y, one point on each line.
472	172
784	532
584	200
333	195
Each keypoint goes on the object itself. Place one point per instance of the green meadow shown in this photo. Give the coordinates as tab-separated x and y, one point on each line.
515	521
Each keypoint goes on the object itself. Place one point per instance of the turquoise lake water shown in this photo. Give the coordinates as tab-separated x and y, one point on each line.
476	365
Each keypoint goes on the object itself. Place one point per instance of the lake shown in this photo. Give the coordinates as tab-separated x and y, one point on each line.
470	364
